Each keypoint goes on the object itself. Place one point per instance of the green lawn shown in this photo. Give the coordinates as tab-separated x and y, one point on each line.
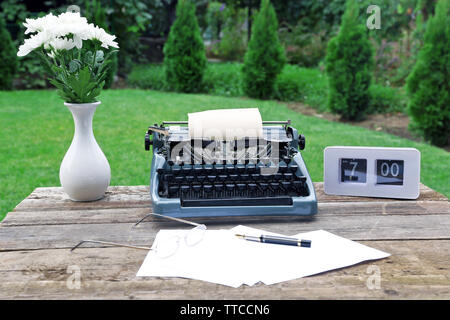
36	130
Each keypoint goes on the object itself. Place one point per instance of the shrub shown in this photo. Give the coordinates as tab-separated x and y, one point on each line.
8	58
233	44
265	56
304	85
428	84
31	74
128	20
287	86
112	71
303	46
349	64
386	99
148	77
223	79
184	52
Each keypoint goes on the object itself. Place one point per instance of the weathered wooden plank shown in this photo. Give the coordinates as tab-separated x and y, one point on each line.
433	226
130	215
117	215
426	194
415	270
54	198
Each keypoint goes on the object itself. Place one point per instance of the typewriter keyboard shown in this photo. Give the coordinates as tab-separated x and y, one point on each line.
232	184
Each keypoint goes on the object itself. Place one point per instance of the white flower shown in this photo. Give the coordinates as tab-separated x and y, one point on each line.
40	24
63	32
101	35
35	41
72	18
60	44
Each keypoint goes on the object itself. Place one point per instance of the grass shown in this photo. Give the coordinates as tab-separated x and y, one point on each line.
36	130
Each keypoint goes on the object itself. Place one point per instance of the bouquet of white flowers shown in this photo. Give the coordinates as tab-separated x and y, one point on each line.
75	53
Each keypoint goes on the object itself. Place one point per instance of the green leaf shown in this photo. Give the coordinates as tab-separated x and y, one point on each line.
99	56
88	57
74	65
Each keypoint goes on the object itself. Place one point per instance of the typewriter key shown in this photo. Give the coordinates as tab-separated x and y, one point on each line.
201	178
229	168
197	188
185	190
230	188
288	176
176	169
282	167
173	191
208	168
244	177
218	187
186	169
207	188
198	169
250	168
293	167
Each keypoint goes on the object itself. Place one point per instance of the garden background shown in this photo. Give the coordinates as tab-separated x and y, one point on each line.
316	62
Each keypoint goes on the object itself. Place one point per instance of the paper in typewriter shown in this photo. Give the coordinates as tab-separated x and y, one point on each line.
225	124
224	259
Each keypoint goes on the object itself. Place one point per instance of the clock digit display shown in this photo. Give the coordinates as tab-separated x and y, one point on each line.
390	172
354	170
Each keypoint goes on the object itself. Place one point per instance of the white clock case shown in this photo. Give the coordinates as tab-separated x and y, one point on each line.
411	175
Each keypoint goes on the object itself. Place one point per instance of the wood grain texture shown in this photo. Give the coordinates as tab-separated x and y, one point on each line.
413	271
35	239
54	198
132	215
356	228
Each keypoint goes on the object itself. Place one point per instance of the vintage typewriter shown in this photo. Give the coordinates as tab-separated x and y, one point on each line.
198	177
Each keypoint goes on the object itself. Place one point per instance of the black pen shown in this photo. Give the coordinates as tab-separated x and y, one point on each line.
277	240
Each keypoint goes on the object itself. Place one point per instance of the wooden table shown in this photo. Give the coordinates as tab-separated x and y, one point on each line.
36	263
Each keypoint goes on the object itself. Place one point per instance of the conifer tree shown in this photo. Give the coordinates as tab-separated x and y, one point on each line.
265	57
184	52
8	58
349	64
428	85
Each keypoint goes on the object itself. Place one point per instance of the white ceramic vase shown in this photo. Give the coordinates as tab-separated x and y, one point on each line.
85	173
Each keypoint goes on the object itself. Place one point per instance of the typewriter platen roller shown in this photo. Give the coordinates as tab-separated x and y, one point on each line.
197	177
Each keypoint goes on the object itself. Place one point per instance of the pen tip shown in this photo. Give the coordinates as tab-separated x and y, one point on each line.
239	235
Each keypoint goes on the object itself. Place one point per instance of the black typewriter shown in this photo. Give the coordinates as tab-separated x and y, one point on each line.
197	177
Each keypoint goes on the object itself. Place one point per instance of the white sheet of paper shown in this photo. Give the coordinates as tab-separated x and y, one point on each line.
226	124
225	259
210	260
